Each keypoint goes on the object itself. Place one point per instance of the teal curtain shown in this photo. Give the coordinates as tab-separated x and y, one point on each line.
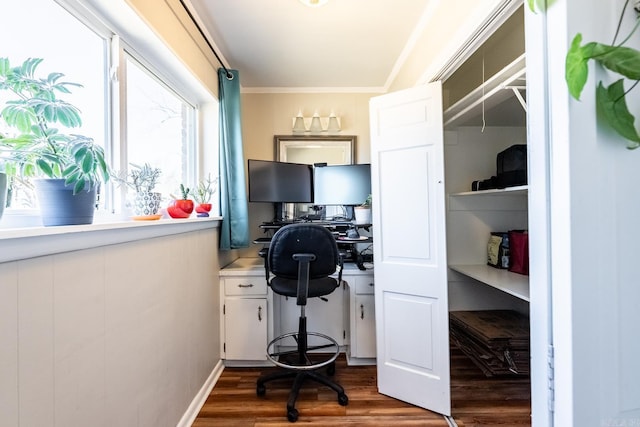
234	230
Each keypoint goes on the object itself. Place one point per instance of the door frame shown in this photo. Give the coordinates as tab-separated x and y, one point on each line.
538	125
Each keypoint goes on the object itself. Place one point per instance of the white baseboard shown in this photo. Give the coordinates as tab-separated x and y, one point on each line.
198	401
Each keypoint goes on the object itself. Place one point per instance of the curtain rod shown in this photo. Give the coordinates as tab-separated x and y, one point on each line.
229	75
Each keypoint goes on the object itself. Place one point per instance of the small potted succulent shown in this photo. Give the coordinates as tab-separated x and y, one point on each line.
202	196
181	208
143	179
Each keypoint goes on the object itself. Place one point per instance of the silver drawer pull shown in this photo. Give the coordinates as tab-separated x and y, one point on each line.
250	285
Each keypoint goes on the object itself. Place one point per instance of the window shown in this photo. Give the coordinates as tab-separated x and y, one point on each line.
160	128
154	120
58	39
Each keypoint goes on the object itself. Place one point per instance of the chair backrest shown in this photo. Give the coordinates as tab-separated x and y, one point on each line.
303	238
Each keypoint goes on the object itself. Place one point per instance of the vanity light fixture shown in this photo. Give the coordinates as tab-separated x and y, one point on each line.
316	124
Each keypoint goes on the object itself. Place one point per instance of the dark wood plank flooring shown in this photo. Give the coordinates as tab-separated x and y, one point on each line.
476	400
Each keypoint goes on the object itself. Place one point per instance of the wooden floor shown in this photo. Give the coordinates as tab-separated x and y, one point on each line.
476	400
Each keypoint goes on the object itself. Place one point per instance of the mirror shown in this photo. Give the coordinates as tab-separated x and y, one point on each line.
333	150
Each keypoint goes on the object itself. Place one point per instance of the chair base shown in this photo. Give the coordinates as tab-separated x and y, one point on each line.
299	366
299	379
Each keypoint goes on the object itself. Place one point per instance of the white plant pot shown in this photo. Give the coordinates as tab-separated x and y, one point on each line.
146	203
362	214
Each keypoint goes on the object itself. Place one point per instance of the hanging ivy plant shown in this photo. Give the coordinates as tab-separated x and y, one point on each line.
625	61
610	100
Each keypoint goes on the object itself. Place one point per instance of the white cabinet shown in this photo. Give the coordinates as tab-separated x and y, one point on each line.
252	315
246	302
362	320
245	331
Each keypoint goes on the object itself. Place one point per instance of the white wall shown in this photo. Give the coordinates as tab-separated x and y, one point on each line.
121	335
593	200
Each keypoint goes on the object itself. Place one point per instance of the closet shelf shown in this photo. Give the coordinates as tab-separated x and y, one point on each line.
504	280
514	191
504	88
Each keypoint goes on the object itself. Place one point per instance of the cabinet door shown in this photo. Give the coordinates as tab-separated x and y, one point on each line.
245	328
363	340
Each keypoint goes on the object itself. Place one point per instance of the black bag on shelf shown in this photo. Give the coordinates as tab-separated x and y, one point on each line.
512	166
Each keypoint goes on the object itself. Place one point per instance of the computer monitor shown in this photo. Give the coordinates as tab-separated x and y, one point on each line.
347	185
280	182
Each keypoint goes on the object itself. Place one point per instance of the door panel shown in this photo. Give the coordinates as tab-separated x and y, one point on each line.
412	326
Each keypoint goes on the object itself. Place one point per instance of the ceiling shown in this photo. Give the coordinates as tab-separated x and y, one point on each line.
345	45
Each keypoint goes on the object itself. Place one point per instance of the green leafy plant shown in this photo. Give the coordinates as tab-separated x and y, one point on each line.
205	190
610	100
39	148
367	202
539	4
141	178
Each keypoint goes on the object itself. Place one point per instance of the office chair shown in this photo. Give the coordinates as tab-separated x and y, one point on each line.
301	259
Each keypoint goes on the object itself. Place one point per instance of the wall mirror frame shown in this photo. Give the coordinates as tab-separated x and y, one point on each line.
311	149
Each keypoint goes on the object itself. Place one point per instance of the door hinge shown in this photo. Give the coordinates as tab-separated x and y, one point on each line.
551	378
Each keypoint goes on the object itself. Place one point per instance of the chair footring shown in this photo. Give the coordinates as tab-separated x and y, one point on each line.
303	362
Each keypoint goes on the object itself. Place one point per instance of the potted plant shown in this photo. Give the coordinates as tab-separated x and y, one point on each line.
143	179
202	196
362	212
71	166
181	208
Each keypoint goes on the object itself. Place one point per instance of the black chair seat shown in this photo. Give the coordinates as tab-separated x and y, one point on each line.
288	287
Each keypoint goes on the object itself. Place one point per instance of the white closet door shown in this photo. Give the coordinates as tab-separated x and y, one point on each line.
412	324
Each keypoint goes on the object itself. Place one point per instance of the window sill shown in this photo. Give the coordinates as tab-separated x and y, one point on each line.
30	242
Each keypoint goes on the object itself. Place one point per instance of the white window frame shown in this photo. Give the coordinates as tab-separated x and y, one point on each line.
115	21
121	51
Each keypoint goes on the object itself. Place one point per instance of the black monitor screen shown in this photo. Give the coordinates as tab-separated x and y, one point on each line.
280	182
341	184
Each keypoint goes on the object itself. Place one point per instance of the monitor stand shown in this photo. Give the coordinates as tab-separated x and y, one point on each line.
278	212
350	214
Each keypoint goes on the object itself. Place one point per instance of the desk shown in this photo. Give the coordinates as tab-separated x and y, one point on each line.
252	315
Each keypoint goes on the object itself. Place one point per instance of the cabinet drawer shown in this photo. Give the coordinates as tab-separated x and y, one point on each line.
364	284
245	286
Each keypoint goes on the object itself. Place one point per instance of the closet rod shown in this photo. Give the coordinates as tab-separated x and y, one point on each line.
229	75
